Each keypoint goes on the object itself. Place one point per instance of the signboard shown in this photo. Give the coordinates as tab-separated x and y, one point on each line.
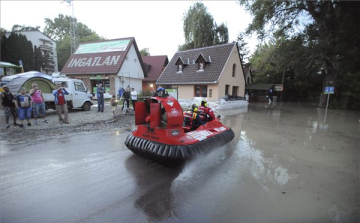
101	47
329	90
94	61
99	77
172	92
278	87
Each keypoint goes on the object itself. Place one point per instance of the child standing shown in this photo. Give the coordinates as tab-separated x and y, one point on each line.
113	103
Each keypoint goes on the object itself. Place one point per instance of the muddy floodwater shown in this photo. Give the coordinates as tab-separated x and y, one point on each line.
287	163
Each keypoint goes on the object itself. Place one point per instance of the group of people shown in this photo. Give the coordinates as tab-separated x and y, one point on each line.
127	95
23	105
198	115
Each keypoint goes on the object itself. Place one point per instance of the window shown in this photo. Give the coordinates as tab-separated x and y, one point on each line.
61	83
201	66
79	86
227	89
233	70
210	93
201	61
235	90
180	65
200	90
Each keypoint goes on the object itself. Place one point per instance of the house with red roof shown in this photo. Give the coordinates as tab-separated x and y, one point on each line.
212	72
154	66
115	63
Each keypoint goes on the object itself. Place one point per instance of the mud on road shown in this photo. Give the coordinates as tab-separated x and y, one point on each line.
80	122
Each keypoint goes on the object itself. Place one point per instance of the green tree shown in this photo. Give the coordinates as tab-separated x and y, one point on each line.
221	34
200	29
17	28
327	28
299	75
58	29
242	46
16	47
38	59
144	52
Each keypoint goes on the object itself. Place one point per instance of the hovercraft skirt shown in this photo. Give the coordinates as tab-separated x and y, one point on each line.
175	155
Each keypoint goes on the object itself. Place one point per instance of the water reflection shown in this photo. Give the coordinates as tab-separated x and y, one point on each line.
153	183
233	111
262	169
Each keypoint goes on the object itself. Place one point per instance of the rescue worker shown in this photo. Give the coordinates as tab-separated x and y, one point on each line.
187	118
201	111
210	113
196	120
201	108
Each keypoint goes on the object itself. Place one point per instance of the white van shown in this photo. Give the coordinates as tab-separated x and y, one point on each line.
78	96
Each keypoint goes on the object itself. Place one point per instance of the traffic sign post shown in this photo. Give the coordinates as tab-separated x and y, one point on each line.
328	91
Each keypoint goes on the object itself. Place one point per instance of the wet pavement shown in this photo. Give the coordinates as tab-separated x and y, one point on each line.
284	165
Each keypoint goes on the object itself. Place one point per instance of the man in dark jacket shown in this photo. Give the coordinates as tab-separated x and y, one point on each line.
126	96
100	97
7	103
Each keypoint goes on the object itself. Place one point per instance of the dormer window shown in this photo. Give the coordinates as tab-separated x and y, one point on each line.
201	66
180	65
201	61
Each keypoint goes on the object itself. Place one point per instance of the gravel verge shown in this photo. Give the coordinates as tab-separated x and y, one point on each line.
80	122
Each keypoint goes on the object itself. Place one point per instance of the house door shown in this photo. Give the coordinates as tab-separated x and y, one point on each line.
235	91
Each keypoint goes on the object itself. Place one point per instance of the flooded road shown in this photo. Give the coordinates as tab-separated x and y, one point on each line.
284	165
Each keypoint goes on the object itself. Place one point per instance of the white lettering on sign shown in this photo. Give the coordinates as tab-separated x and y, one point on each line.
94	61
106	61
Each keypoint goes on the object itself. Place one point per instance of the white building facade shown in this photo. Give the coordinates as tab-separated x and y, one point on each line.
48	49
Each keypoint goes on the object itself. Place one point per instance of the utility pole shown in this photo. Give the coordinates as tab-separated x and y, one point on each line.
73	28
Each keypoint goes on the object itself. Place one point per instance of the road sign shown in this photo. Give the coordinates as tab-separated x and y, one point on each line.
278	87
329	90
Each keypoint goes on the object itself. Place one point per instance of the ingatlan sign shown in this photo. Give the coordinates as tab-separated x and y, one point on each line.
94	61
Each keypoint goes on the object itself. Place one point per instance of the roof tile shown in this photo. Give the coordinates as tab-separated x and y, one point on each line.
219	55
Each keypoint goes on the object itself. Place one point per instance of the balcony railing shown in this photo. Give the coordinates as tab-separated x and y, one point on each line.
48	67
46	47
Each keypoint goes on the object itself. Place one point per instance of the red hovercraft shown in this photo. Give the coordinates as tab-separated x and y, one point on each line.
161	137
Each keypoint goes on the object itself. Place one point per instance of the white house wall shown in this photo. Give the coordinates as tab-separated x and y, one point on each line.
226	77
185	92
34	38
131	73
215	92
